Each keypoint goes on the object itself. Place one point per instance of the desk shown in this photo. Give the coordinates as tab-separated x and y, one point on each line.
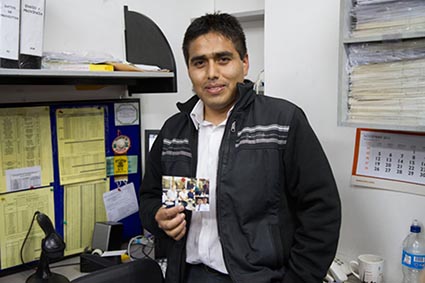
71	271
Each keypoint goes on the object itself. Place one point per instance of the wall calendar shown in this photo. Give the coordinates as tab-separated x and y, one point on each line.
391	160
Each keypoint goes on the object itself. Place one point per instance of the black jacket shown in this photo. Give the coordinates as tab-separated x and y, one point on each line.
278	208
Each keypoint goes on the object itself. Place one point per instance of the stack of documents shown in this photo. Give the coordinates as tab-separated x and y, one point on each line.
90	61
387	83
79	67
72	61
383	17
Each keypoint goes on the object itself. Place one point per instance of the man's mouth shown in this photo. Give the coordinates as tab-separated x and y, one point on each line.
214	89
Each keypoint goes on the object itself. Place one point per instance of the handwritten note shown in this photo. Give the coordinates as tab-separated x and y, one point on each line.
120	202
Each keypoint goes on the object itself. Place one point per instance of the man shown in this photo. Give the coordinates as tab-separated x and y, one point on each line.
274	207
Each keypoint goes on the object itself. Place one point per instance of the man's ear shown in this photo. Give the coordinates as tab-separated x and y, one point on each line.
245	62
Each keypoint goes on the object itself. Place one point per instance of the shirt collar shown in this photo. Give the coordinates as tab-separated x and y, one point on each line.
197	114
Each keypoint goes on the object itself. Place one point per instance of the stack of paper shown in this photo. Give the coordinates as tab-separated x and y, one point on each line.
380	17
365	2
77	61
387	83
91	61
79	67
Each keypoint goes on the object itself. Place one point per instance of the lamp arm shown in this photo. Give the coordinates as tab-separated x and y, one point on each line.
52	247
45	223
43	270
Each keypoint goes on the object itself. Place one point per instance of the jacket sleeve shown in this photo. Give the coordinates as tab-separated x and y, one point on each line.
312	188
151	189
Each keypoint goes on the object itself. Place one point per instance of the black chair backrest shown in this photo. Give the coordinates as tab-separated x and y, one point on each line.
142	270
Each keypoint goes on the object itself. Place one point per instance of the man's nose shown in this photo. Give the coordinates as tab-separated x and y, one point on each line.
212	71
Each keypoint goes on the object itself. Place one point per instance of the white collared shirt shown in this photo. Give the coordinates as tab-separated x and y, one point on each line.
203	243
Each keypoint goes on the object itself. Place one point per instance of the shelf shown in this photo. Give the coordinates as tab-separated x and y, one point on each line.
145	44
381	86
250	16
387	37
137	82
382	126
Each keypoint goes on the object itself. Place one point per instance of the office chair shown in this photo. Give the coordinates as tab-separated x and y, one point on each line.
142	270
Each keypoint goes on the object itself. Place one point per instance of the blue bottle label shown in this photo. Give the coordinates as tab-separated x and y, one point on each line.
413	260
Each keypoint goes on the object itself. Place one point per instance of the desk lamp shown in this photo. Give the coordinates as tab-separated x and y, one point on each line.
52	247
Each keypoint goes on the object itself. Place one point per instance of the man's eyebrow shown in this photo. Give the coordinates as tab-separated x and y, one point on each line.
198	58
223	54
214	55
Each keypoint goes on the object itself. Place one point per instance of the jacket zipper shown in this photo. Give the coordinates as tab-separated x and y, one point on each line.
233	129
224	150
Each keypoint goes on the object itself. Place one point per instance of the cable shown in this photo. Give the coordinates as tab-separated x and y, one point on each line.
25	240
259	83
147	254
144	242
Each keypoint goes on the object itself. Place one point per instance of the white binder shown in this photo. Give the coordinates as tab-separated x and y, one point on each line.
9	29
32	26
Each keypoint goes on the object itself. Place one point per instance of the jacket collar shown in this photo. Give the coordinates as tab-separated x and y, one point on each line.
243	98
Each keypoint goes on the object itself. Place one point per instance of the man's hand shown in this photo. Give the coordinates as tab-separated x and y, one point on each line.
172	221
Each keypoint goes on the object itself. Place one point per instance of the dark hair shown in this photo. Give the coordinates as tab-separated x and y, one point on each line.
221	23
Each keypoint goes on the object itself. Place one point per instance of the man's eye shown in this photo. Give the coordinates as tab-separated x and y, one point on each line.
198	64
224	60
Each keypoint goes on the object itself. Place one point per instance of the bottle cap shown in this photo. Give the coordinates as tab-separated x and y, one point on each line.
415	227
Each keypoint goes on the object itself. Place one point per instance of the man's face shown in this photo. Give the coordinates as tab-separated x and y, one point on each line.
215	68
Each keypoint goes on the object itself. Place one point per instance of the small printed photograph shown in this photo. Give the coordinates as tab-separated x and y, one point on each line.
192	193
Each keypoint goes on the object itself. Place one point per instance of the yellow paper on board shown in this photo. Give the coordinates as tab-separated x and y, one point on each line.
83	207
81	144
16	213
25	142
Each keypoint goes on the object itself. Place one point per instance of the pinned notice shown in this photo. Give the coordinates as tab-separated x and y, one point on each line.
121	202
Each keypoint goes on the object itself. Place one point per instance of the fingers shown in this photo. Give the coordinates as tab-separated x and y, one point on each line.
168	213
177	232
181	234
172	221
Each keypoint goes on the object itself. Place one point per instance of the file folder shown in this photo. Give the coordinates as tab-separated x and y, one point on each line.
9	33
31	39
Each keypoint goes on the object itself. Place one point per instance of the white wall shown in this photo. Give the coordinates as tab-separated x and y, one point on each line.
254	32
301	62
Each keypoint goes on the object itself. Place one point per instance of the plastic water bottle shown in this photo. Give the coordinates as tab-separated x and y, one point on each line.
413	258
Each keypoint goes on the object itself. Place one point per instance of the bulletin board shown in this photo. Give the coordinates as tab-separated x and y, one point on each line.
60	158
